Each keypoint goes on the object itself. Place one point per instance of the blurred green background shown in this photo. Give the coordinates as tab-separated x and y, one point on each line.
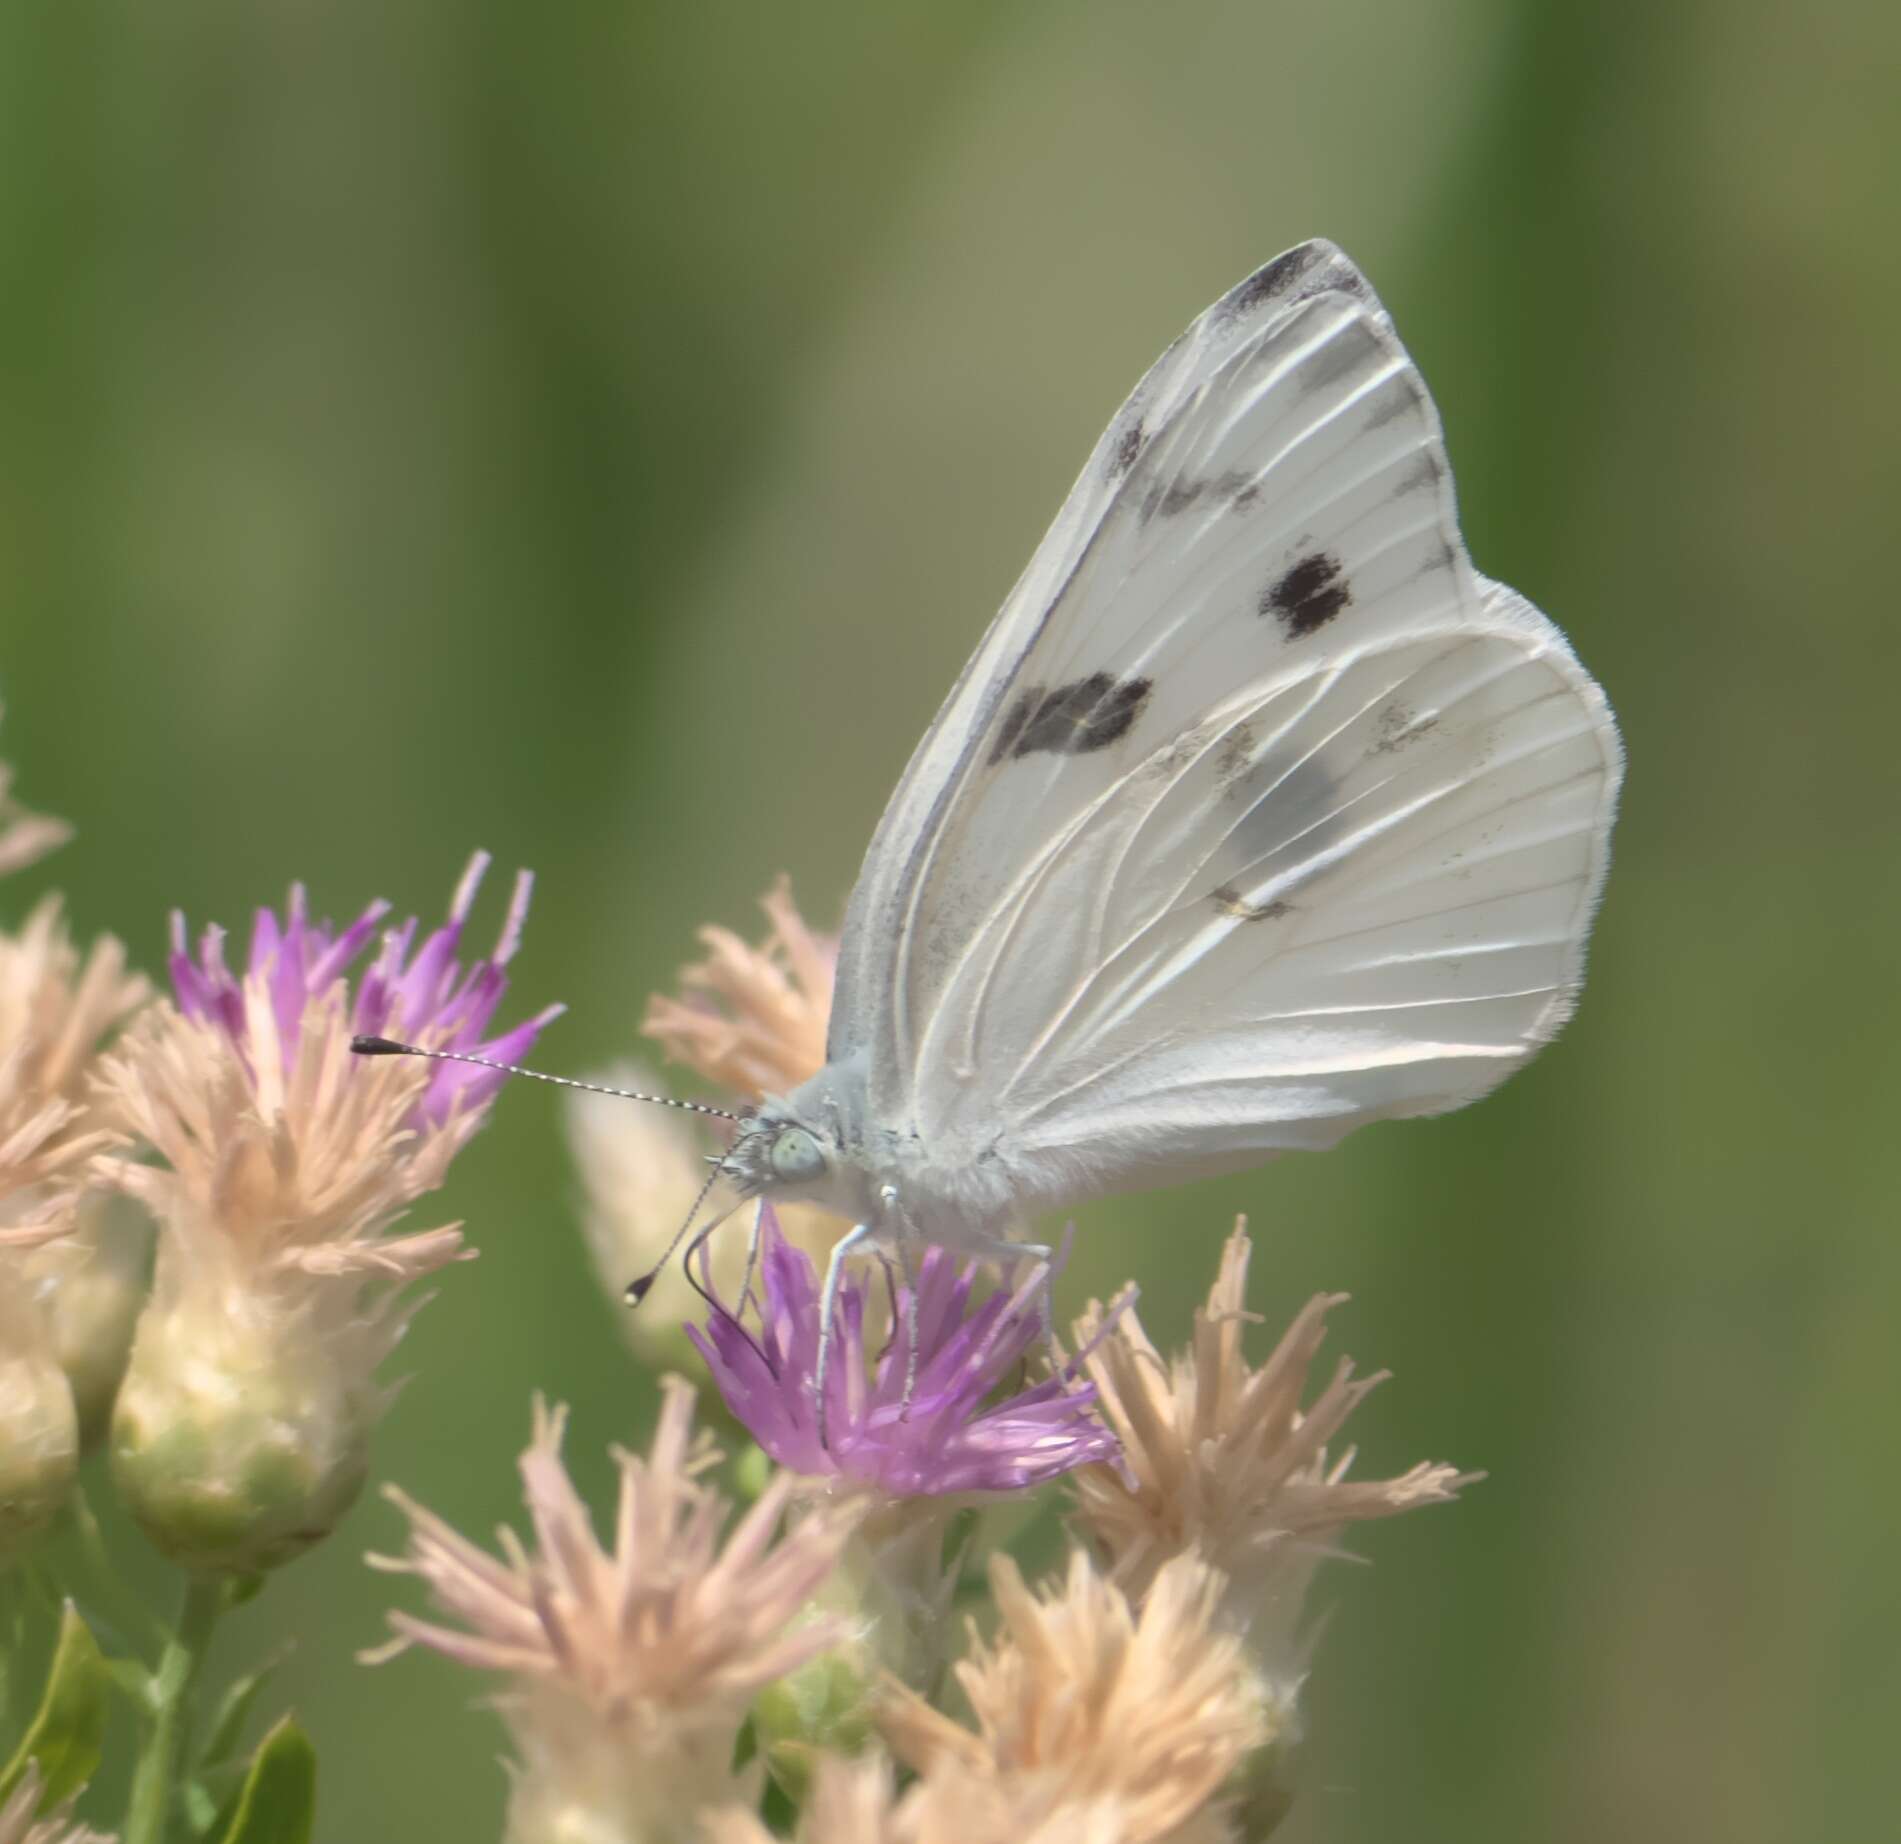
599	432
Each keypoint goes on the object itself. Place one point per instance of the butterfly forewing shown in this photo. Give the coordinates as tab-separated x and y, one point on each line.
1258	813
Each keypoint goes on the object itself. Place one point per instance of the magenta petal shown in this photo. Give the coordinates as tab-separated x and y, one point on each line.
955	1435
429	997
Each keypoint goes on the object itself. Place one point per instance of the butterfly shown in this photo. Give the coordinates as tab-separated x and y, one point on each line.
1258	814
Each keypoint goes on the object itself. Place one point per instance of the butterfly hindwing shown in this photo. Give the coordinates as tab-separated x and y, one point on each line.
1258	812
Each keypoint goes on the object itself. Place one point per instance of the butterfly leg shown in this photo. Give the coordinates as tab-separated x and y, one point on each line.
1042	1253
860	1234
752	1266
901	1232
907	1256
1007	1254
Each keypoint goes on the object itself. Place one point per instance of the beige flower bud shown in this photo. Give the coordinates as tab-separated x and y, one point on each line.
238	1439
39	1431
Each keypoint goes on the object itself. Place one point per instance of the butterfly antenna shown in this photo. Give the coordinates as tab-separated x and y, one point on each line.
638	1287
388	1046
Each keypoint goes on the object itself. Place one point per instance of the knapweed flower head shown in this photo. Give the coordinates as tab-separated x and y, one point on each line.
1094	1718
56	1009
642	1170
22	1822
955	1433
629	1667
240	1432
421	994
752	1020
1225	1464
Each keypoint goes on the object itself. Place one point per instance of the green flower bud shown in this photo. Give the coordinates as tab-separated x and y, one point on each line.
823	1707
237	1452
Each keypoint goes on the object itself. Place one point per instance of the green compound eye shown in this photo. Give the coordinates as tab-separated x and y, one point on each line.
796	1156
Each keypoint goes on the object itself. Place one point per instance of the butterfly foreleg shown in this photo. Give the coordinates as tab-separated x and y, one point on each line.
859	1234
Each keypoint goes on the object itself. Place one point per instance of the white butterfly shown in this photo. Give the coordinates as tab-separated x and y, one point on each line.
1258	814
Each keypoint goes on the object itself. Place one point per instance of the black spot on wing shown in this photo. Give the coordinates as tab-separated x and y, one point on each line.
1308	596
1073	719
1126	450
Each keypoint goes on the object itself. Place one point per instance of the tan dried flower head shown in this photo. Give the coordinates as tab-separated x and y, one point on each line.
55	1010
753	1019
1095	1721
24	837
1226	1464
241	1431
642	1169
630	1666
281	1169
18	1825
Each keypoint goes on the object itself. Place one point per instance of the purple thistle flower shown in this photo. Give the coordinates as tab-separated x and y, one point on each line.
428	998
948	1440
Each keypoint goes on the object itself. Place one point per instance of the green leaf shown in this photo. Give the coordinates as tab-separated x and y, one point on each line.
68	1730
278	1802
234	1711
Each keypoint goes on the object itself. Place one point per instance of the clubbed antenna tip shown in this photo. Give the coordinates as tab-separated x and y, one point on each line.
364	1045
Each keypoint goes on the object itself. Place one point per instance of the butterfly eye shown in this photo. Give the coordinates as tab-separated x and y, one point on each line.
796	1156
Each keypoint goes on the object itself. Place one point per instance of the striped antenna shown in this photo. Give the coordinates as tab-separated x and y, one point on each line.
388	1046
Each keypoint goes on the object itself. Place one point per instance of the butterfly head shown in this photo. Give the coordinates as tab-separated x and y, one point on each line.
778	1155
801	1147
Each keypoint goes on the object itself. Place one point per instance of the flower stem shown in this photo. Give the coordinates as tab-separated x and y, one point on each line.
171	1689
138	1630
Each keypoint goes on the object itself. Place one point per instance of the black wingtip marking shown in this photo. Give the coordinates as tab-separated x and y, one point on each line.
1272	280
1126	450
1073	719
1308	596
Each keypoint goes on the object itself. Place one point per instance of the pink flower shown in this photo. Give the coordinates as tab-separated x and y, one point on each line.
427	998
946	1439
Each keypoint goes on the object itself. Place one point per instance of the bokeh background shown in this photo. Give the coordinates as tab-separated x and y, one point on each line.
599	432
